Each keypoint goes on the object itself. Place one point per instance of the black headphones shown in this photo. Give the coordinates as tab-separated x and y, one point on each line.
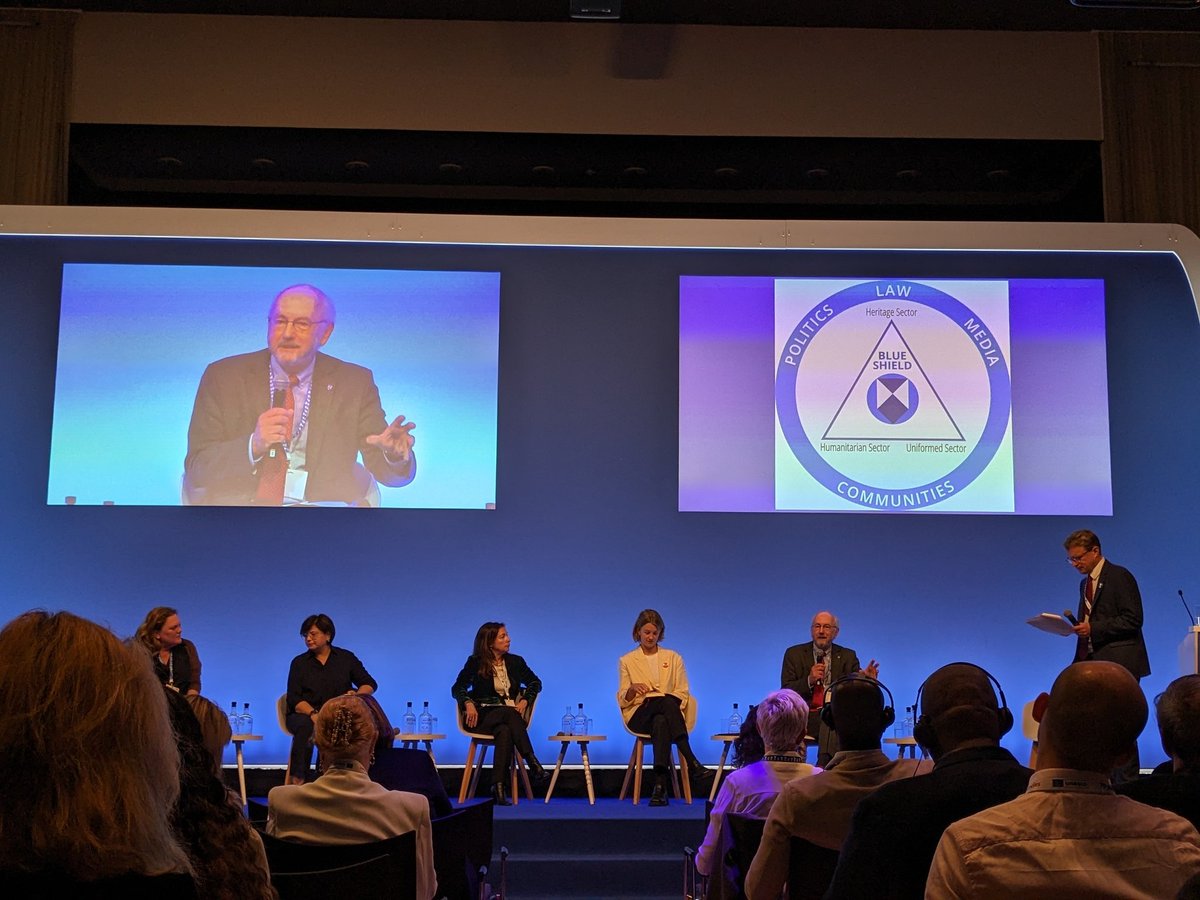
924	732
889	705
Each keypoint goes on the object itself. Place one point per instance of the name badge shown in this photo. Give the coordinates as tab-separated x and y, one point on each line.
294	484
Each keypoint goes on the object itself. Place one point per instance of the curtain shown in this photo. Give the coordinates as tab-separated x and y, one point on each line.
1151	93
35	91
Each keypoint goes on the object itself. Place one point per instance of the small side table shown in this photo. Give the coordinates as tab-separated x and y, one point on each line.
565	741
238	740
410	740
728	737
909	743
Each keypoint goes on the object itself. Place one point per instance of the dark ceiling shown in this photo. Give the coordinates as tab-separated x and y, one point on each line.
631	175
987	15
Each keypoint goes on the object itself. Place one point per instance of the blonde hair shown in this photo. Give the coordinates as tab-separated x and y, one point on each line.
89	769
147	633
344	727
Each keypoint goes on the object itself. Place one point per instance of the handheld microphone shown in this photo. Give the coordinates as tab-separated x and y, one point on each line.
278	399
1070	617
1191	618
820	656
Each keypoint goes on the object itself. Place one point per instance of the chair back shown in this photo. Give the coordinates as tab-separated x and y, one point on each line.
745	834
281	713
462	845
369	878
810	870
401	769
378	868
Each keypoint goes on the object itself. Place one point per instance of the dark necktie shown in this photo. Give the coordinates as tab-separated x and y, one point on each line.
272	470
1085	614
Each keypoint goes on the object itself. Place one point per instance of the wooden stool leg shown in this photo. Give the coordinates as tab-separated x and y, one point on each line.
587	773
628	771
685	776
562	754
640	749
466	779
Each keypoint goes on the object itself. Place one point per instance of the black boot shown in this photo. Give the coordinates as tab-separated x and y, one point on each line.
658	796
537	772
498	795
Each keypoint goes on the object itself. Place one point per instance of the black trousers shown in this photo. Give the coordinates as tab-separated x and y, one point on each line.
662	719
300	759
507	727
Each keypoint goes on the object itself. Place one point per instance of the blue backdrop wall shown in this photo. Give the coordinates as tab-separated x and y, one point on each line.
586	530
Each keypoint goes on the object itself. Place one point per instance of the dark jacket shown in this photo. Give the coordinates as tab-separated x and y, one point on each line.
481	690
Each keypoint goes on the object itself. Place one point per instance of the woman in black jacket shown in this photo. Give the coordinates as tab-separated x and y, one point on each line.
493	690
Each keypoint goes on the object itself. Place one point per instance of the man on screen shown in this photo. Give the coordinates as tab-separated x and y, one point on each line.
286	425
810	668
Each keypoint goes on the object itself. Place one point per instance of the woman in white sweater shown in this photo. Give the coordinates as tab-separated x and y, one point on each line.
653	696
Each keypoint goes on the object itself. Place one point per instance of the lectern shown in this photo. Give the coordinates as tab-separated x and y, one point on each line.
1189	652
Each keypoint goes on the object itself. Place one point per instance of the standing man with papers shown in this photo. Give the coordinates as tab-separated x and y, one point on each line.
1110	611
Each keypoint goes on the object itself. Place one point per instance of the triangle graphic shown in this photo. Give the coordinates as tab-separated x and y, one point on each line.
892	399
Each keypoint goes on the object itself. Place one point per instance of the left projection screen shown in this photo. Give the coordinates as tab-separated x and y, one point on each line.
135	341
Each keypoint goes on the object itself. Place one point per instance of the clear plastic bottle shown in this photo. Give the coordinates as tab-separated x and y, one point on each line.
245	720
235	721
908	722
410	720
568	721
580	724
735	720
425	720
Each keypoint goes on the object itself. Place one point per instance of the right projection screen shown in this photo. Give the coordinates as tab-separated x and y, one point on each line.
893	395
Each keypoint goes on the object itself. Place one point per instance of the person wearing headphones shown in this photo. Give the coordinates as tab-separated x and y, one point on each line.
818	808
895	830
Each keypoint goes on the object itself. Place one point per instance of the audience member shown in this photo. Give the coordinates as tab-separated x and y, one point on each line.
896	829
782	720
1069	835
748	746
818	808
1178	712
808	669
344	806
88	765
227	854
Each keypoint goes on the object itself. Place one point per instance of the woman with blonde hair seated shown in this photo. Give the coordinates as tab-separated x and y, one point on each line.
89	771
782	720
344	806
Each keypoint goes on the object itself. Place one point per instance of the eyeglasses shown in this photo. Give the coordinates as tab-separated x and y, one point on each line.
1079	556
300	326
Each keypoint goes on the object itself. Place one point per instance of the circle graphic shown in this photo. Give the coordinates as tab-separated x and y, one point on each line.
892	399
959	470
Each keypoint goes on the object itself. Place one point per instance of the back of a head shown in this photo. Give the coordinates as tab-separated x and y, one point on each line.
959	707
214	727
858	712
782	719
88	766
1178	712
345	729
1094	715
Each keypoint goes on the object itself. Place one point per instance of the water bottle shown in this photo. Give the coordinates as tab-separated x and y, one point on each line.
235	721
568	721
735	721
425	720
245	720
908	721
579	725
410	720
